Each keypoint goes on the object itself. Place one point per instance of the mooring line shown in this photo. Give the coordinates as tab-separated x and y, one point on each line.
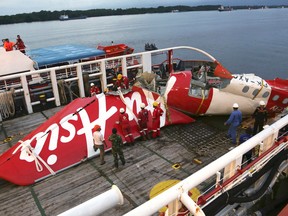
47	117
37	201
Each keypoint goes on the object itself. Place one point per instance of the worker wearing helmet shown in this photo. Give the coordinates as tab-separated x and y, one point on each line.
125	126
157	113
99	142
260	115
122	82
94	90
234	121
143	118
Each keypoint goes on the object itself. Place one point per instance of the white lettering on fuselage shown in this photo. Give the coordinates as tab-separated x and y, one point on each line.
67	126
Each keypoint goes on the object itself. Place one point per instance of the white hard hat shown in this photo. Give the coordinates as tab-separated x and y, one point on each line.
122	110
142	105
235	105
92	84
262	103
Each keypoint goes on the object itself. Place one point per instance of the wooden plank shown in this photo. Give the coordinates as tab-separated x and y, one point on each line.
147	163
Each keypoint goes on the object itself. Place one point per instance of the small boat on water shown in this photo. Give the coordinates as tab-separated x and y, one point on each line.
150	46
222	8
116	50
65	17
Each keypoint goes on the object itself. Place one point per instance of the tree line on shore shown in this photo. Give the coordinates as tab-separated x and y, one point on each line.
54	15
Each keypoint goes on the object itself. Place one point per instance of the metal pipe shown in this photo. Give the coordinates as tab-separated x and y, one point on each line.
98	204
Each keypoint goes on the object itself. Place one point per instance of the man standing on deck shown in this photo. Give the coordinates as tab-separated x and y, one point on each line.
260	116
20	44
99	142
117	144
143	121
157	113
125	126
234	121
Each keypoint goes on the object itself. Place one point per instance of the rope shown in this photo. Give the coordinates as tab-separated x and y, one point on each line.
62	94
123	100
25	146
7	107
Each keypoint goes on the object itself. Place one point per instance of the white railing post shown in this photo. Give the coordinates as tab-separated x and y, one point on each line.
269	141
80	80
173	207
124	66
103	76
55	87
26	92
147	62
218	179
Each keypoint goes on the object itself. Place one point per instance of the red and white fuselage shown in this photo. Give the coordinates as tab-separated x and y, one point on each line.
216	95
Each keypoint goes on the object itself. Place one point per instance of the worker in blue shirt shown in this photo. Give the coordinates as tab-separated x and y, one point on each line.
234	121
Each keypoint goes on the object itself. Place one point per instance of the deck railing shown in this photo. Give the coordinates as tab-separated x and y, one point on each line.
138	61
233	174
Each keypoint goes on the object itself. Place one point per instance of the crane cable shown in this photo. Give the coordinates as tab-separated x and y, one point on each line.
200	105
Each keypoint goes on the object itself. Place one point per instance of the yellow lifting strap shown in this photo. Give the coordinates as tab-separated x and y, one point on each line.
262	85
167	110
203	97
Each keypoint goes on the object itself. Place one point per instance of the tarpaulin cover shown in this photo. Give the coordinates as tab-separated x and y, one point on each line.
62	53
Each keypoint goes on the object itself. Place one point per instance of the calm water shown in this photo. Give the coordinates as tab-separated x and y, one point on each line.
243	41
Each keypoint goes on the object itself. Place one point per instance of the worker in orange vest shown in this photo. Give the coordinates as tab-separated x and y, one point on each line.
125	126
8	45
157	113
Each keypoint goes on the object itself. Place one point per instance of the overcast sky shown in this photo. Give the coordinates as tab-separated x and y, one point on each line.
10	7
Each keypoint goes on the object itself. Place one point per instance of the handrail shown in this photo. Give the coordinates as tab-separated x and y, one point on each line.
126	60
173	193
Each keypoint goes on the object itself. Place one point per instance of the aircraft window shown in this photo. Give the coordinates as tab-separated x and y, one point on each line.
255	92
266	94
275	98
285	101
245	89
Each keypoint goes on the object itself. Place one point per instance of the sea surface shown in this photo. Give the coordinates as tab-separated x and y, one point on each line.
244	41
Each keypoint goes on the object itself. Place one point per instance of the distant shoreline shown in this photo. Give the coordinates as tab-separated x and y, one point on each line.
54	15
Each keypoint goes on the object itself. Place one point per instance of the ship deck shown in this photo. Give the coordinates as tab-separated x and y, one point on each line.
147	163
